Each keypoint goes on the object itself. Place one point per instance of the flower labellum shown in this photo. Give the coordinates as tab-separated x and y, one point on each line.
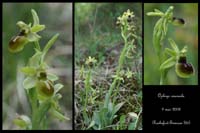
45	88
178	21
184	69
17	43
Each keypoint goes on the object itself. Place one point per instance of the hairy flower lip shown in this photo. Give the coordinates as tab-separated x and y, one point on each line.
178	21
184	70
45	88
16	44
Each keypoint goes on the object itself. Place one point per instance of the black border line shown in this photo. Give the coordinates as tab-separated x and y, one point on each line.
73	66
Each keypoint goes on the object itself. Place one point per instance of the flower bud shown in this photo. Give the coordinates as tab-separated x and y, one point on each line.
184	69
45	88
22	121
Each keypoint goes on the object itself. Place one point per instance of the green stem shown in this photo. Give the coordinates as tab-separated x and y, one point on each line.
87	88
33	100
161	78
117	90
120	62
37	45
137	123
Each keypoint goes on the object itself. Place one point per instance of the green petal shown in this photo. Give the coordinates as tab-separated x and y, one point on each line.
28	71
32	37
58	87
117	107
37	28
35	17
52	77
29	82
22	25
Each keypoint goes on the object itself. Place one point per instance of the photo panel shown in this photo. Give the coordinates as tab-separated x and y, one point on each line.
108	66
170	43
37	66
170	90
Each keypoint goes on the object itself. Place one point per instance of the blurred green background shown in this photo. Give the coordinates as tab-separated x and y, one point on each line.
186	35
58	19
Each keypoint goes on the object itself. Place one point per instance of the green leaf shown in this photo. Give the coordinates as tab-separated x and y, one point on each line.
32	93
37	28
168	63
170	52
42	110
52	77
169	12
35	17
57	88
105	117
157	37
34	61
131	126
29	82
28	71
122	121
173	45
91	124
110	106
155	14
96	118
86	118
156	10
59	115
117	107
50	43
165	26
32	37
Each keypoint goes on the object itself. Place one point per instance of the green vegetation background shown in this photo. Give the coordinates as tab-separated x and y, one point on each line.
95	27
186	35
58	19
